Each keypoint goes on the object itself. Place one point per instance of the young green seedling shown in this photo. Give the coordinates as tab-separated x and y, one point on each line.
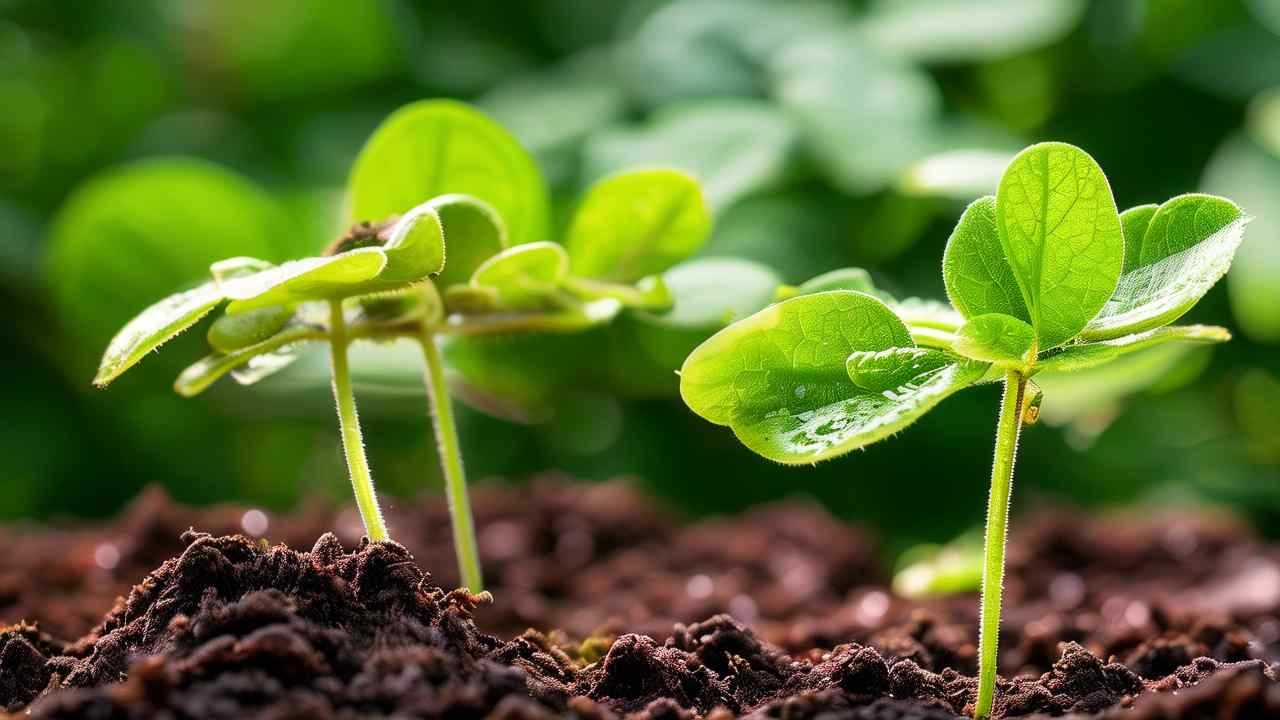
1046	277
445	266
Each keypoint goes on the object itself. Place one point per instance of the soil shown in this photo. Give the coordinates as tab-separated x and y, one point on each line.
782	612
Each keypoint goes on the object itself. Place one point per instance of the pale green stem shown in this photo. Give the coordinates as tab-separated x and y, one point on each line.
455	479
349	420
1007	432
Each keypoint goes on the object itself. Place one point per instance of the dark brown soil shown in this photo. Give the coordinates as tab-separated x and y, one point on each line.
780	613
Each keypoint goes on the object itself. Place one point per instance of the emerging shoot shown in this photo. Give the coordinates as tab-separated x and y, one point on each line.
387	278
1045	277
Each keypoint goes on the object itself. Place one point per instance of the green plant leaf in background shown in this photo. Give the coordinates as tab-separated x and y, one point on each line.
714	48
637	223
865	117
1186	249
473	232
1002	340
960	174
525	276
966	30
733	147
439	147
974	269
146	230
1061	235
779	378
843	279
1247	173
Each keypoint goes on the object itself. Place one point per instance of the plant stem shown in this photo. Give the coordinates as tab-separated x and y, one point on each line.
349	420
455	479
1007	432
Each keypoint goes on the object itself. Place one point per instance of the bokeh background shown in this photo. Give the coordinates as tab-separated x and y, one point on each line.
826	132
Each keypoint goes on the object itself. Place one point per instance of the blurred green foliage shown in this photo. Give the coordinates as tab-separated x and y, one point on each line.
826	132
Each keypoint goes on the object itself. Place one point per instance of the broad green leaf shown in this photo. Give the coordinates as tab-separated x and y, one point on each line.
968	30
806	437
154	327
752	151
649	293
779	378
235	332
862	139
438	147
843	279
198	377
1134	223
1248	174
318	278
1187	248
473	232
525	276
637	223
880	370
1002	340
147	230
1061	235
224	270
1086	355
974	269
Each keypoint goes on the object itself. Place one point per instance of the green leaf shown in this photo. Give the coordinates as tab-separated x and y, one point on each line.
977	276
525	276
862	139
1250	175
855	279
469	300
649	293
235	332
438	147
224	270
779	378
1002	340
1087	355
968	30
473	233
1134	222
637	223
274	354
149	229
924	313
880	370
752	151
154	327
1061	235
1187	248
319	278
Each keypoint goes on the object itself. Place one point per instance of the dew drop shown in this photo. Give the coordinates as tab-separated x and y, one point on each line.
106	556
255	523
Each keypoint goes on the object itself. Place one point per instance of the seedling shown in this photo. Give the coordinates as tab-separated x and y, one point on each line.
444	266
1046	276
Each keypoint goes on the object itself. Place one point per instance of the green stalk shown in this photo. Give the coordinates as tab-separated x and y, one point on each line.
349	420
1007	432
455	479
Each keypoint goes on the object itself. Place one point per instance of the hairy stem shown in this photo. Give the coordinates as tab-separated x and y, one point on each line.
349	420
1007	432
455	479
